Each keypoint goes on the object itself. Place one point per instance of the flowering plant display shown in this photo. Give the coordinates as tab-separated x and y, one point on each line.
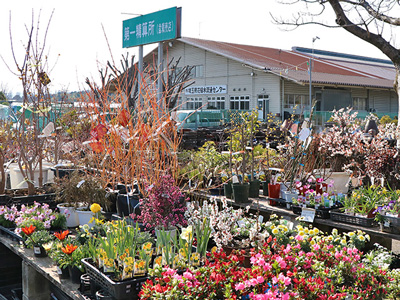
117	250
227	224
164	206
37	214
365	200
312	265
343	143
35	238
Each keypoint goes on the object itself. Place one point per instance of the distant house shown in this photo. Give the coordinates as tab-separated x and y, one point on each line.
233	76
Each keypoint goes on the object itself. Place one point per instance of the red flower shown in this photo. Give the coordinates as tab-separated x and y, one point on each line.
28	230
61	235
69	249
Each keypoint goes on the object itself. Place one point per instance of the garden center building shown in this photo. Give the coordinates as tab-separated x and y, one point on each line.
233	76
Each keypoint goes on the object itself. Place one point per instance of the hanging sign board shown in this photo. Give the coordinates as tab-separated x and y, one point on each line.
156	27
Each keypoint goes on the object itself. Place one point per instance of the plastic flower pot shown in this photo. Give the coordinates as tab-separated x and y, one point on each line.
228	190
39	251
63	273
254	189
265	187
240	192
70	213
126	204
274	190
75	274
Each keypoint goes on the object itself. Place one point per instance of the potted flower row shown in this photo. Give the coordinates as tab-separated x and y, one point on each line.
360	207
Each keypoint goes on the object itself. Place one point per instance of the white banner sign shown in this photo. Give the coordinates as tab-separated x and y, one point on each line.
207	89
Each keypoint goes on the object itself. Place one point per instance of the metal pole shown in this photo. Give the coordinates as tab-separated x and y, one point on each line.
140	75
160	72
310	70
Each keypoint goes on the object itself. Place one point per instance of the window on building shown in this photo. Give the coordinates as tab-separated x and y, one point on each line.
196	72
240	102
194	102
216	102
296	102
359	103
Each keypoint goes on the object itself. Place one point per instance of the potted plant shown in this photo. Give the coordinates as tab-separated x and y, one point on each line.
164	205
77	193
57	255
36	239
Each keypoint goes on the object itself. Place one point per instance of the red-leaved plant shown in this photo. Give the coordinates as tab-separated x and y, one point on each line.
164	206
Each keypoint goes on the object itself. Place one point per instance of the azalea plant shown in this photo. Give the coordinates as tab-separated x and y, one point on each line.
311	265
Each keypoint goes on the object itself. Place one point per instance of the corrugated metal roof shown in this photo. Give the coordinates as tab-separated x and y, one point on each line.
338	69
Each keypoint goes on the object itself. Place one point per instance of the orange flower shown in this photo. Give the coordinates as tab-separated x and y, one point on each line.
28	230
61	235
69	249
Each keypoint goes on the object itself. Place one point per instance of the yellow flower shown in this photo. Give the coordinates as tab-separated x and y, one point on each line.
95	208
187	233
140	264
275	231
316	230
301	233
312	242
351	234
361	238
158	260
147	246
343	242
129	261
47	246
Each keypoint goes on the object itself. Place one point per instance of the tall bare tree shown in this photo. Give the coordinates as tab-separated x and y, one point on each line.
369	20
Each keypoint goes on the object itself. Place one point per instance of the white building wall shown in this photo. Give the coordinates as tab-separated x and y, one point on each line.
219	70
379	100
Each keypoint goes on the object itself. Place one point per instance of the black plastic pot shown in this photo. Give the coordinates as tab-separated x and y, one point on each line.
75	274
127	204
265	188
254	189
39	251
103	295
241	192
228	190
63	273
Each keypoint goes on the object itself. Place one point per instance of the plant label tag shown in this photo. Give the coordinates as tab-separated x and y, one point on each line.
308	214
47	131
240	223
210	182
386	224
290	225
260	219
36	250
304	134
59	271
235	179
80	183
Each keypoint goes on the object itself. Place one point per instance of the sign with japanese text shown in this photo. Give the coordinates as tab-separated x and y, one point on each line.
156	27
208	89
